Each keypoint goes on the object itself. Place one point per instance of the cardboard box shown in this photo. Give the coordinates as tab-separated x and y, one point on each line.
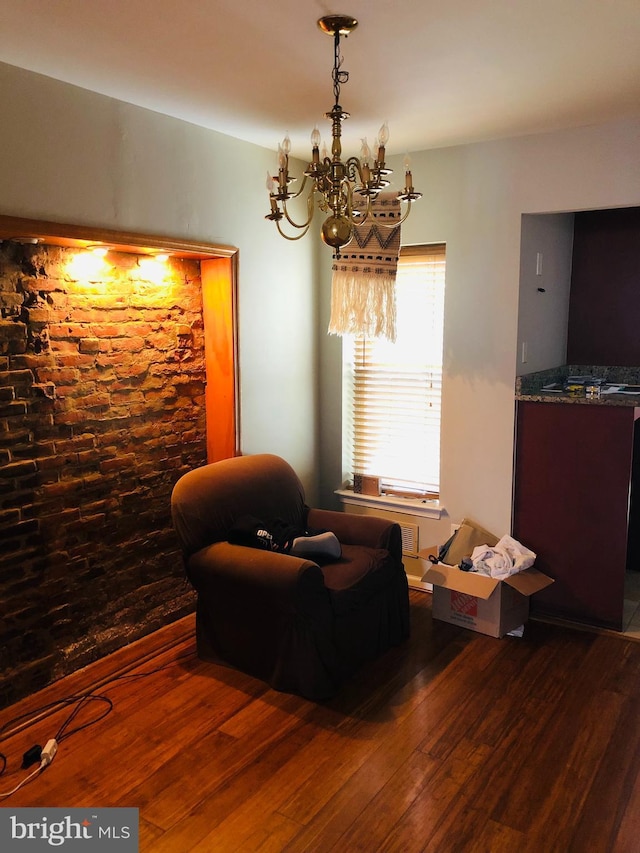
480	603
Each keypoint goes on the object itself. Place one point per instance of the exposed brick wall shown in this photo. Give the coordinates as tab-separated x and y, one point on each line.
101	410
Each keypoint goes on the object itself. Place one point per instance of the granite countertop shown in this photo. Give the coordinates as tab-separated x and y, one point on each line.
535	386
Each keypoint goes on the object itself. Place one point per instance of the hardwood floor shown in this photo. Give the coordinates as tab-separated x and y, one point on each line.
451	742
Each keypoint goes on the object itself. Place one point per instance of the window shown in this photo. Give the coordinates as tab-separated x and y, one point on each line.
393	390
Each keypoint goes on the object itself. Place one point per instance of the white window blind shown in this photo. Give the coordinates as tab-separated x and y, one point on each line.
395	388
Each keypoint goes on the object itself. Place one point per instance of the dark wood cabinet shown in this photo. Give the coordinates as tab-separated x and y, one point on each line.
573	470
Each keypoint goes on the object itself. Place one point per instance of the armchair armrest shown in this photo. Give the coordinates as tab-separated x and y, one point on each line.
286	582
351	529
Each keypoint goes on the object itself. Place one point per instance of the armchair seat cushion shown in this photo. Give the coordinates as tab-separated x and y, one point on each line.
358	566
360	576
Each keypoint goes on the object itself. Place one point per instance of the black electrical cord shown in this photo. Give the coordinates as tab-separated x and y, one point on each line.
46	755
33	716
80	702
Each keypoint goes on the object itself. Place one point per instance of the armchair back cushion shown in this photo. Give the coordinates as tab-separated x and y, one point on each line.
208	501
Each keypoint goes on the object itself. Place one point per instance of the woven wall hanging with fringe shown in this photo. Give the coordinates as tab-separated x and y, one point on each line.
363	287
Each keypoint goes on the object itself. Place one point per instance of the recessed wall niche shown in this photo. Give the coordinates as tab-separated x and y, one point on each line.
103	405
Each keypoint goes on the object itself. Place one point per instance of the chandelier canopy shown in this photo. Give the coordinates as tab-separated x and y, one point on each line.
344	190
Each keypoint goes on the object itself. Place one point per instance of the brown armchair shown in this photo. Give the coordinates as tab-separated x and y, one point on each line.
302	626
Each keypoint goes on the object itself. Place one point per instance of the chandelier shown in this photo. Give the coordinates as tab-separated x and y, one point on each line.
344	190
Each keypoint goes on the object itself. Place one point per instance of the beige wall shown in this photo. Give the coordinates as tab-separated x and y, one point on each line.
543	317
72	156
474	199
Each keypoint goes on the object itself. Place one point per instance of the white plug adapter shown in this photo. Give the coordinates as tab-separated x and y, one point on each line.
48	753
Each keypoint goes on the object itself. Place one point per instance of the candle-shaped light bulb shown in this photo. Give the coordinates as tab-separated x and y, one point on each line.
269	183
408	180
315	145
282	169
286	144
365	157
383	138
325	152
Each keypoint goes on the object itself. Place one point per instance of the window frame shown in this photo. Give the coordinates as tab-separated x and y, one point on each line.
355	396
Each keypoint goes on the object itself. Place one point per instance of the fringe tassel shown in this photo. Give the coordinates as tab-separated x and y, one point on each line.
363	305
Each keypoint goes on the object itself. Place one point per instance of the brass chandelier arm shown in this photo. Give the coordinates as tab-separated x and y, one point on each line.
362	217
292	236
397	222
310	212
301	190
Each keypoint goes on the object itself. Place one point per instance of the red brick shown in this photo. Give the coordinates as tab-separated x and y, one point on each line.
133	345
71	417
83	441
16	377
60	460
18	469
119	463
58	375
89	345
67	331
108	330
80	360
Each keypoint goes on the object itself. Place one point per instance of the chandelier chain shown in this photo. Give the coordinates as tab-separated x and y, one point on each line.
339	76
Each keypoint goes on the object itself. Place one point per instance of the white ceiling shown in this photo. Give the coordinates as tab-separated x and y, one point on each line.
441	73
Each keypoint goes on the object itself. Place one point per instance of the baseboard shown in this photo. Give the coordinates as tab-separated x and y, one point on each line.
416	583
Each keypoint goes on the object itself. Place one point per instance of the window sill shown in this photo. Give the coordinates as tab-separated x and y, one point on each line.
393	503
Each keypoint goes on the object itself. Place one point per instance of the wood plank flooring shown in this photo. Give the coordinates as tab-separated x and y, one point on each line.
452	742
